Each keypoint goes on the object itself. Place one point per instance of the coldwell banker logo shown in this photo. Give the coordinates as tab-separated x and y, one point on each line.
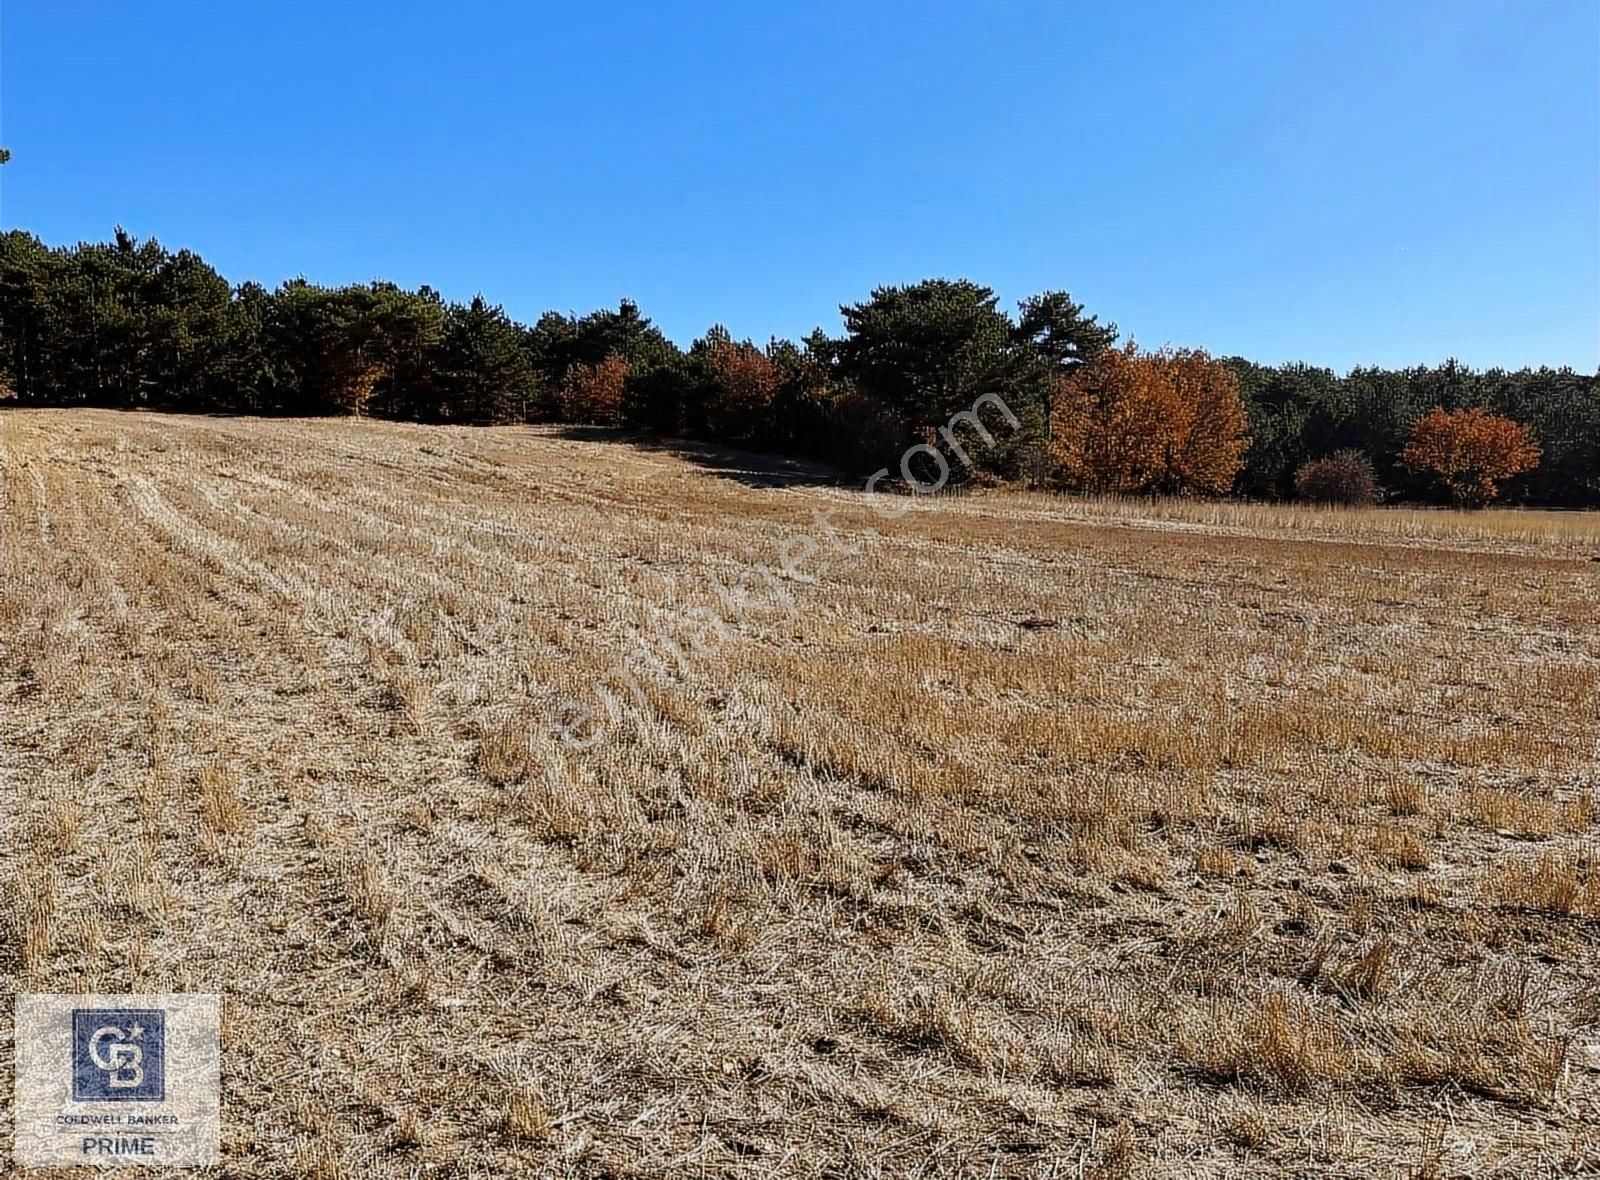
113	1080
119	1055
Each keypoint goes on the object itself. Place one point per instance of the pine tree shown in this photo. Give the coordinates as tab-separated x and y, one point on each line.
485	374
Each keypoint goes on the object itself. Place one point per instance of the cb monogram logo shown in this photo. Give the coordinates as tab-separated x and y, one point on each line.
118	1055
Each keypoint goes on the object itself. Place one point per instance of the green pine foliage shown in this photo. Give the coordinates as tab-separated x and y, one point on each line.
131	324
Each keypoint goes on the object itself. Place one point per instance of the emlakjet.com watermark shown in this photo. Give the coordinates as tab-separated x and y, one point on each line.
117	1079
578	724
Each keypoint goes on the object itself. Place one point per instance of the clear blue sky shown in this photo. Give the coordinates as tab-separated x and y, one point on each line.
1338	181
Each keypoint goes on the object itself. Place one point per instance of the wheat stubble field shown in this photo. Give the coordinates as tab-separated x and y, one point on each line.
1042	837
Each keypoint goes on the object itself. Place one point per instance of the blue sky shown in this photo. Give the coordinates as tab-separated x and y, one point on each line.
1336	181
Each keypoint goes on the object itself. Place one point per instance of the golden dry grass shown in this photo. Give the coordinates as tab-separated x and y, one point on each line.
1044	837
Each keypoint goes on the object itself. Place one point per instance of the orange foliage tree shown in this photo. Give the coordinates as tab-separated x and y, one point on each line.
593	393
353	389
744	382
1471	452
1131	422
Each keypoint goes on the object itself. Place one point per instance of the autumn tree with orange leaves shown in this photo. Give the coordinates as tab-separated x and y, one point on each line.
744	382
352	390
1471	452
593	393
1131	422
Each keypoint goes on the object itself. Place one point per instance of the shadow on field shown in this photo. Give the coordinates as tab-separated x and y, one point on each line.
754	469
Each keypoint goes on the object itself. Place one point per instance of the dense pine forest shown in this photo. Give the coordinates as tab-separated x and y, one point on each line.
131	324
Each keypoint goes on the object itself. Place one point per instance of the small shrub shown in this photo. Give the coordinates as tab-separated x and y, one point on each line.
1344	477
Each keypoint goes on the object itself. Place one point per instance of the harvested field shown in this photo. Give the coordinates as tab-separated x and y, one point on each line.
1035	837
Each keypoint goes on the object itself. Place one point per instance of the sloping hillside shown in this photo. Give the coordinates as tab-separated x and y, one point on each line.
552	804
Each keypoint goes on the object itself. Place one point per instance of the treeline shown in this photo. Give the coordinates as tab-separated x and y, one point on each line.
1299	413
131	324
